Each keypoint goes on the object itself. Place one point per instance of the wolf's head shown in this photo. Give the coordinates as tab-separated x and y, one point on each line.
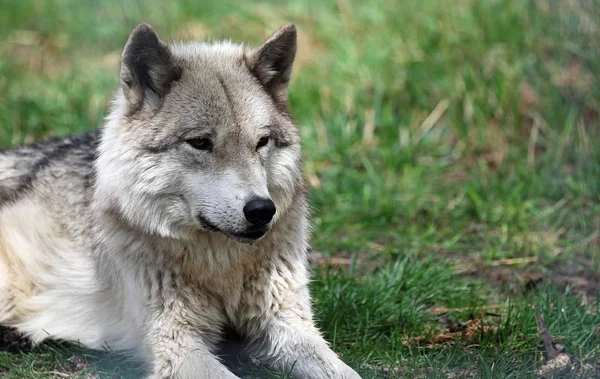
200	137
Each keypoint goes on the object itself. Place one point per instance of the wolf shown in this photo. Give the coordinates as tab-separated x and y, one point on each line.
183	217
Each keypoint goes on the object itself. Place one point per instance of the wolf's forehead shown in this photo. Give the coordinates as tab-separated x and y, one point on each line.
218	90
223	95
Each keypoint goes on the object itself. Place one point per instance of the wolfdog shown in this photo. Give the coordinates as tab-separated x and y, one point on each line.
185	216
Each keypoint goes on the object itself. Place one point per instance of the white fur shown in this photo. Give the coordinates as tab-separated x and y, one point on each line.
53	290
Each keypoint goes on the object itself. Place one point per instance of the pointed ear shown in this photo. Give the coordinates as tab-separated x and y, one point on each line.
272	62
147	68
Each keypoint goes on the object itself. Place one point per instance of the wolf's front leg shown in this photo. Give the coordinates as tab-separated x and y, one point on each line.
202	364
282	333
180	342
290	346
198	363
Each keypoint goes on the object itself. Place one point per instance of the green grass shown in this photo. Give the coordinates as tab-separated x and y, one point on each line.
441	138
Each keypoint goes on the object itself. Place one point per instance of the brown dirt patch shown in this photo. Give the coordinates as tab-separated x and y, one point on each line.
577	275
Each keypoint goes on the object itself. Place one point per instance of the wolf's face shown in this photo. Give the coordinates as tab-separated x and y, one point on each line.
200	137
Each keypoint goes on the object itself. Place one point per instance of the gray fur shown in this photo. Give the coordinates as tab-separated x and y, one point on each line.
135	239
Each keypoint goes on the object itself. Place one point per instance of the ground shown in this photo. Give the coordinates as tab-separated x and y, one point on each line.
452	151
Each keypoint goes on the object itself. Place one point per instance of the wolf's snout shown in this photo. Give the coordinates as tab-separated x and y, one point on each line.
259	211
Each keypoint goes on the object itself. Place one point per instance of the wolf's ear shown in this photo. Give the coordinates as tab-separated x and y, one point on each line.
272	61
147	68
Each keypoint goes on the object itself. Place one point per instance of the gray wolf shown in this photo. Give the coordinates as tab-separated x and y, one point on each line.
184	216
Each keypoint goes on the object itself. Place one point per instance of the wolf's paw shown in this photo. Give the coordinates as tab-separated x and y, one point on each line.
346	372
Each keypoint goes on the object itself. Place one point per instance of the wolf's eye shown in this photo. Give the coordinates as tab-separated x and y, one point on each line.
262	142
200	143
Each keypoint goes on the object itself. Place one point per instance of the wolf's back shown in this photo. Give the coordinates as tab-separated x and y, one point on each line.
44	217
26	168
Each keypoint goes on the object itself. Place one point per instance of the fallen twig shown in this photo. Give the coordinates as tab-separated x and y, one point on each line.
469	267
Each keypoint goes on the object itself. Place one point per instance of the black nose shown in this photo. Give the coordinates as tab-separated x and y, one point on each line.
259	211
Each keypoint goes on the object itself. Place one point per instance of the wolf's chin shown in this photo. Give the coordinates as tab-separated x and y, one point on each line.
249	236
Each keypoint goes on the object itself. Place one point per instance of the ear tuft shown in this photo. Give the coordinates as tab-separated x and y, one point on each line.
272	62
147	68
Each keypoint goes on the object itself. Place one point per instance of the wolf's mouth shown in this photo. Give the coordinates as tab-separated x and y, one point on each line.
207	224
248	236
251	235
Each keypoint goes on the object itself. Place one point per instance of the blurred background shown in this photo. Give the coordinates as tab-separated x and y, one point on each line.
452	150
